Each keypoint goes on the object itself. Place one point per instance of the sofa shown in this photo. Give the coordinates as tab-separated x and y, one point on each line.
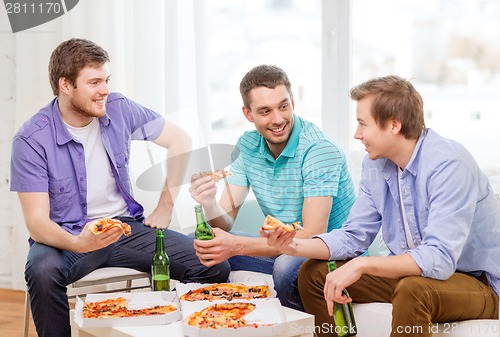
373	319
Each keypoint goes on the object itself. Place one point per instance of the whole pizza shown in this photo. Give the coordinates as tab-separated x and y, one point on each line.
227	292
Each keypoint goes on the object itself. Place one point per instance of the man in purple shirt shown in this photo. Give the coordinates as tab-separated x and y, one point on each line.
70	166
438	215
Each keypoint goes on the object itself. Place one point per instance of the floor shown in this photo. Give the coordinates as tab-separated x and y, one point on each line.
12	314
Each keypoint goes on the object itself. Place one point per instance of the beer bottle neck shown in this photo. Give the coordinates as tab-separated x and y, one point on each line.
331	266
160	243
199	216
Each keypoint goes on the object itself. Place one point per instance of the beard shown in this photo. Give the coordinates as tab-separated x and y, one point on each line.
86	107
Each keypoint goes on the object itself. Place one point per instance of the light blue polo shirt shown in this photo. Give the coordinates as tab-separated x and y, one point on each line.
311	165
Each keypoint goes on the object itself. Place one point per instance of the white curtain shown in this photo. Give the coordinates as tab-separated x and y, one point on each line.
153	48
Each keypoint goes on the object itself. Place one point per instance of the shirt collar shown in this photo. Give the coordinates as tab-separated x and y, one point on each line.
391	168
291	145
62	134
412	166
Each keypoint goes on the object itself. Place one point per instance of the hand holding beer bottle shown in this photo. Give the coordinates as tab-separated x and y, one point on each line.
342	313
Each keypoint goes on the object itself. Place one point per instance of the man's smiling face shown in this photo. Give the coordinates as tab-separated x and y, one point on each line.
271	111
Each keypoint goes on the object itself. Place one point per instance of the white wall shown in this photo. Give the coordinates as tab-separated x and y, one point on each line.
7	108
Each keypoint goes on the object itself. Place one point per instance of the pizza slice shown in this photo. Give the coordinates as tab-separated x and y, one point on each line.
226	291
217	174
225	315
118	307
113	307
272	224
101	225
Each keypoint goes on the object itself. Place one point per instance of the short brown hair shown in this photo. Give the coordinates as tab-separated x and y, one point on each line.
70	57
268	76
394	98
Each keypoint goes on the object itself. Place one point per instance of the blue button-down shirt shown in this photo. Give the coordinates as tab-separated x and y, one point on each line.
45	157
450	207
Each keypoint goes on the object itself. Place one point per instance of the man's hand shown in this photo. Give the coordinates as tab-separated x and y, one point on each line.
88	241
203	190
338	280
280	240
159	218
219	249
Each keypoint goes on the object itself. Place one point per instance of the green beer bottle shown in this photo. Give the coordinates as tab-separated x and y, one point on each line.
342	313
203	229
160	266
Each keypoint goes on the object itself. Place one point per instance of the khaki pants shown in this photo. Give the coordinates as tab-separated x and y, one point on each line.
417	301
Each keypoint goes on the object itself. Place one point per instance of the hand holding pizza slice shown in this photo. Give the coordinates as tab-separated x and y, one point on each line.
271	224
101	225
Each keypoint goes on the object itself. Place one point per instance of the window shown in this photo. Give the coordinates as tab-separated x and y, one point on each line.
450	52
244	34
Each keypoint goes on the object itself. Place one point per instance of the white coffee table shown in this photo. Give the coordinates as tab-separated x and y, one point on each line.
298	324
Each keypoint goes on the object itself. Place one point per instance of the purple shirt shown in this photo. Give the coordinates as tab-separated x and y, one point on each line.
45	158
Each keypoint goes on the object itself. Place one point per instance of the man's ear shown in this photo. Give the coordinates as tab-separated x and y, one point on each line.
395	126
64	85
247	113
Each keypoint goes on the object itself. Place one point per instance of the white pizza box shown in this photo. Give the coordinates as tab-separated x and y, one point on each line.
268	314
135	300
189	306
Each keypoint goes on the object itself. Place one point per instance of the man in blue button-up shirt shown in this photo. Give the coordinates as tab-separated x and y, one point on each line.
70	166
438	216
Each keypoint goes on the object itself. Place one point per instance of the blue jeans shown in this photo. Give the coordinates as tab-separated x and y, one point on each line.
49	270
285	272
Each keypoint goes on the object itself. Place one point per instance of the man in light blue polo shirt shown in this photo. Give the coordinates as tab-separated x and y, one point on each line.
296	173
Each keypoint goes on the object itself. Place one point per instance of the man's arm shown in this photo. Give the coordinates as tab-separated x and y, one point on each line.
384	266
36	210
223	213
178	143
285	243
220	214
315	214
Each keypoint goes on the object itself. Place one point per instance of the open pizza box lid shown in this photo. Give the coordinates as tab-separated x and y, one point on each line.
135	300
268	313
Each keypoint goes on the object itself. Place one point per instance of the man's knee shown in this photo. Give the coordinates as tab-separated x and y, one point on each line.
44	267
312	272
285	271
407	289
